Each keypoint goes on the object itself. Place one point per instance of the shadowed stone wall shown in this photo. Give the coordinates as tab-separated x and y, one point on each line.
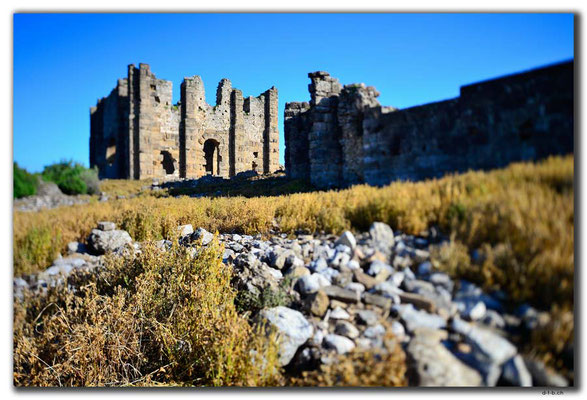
157	139
352	139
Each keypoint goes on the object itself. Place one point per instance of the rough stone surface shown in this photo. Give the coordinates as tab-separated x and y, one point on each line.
344	313
294	330
185	230
102	242
415	319
347	329
318	303
344	295
348	239
106	226
433	365
488	345
340	344
382	236
203	235
343	136
516	373
136	132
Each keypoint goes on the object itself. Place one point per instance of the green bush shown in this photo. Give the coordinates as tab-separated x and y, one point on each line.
24	183
68	176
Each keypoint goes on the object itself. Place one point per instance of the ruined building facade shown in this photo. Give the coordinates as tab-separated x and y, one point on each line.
343	136
137	133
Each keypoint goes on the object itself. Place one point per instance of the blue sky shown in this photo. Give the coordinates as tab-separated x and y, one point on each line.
64	62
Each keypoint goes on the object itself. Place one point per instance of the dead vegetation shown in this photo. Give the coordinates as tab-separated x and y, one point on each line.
511	229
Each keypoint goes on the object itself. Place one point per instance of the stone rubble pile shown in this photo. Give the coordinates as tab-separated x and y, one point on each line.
48	196
347	293
350	290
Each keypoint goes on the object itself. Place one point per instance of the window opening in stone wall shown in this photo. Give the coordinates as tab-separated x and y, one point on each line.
255	165
526	130
211	156
111	152
167	163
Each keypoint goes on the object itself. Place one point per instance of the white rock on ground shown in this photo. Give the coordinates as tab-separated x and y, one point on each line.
348	239
105	241
185	230
294	330
382	236
347	329
340	344
486	344
435	365
204	235
415	319
311	283
516	373
339	313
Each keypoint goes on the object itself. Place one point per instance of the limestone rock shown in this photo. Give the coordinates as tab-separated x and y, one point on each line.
294	330
185	230
339	313
348	239
516	373
106	241
347	329
317	303
340	344
382	236
414	319
344	295
434	365
311	283
202	235
106	226
367	317
487	345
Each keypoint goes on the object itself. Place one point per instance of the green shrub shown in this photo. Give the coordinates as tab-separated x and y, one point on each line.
24	183
67	175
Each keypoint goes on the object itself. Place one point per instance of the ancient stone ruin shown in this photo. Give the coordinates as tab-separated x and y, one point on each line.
136	131
343	136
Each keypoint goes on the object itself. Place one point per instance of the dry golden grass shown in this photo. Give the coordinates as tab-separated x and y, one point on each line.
519	219
123	187
156	318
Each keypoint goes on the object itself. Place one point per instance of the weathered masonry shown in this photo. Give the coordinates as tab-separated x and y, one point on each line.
136	132
343	136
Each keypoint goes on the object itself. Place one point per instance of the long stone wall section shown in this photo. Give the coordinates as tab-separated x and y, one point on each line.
521	117
136	132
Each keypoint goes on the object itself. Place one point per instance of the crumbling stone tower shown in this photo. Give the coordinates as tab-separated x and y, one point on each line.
137	133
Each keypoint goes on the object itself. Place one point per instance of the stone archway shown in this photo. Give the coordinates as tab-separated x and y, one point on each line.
211	155
111	152
167	163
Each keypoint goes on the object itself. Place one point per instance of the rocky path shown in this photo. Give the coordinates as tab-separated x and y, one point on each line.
346	292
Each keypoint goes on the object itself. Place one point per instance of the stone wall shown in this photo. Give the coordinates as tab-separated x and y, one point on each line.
352	139
157	139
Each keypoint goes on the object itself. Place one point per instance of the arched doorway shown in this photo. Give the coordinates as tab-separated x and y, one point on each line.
167	162
111	152
211	156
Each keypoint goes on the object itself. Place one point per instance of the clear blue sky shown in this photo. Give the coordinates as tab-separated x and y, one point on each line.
64	62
